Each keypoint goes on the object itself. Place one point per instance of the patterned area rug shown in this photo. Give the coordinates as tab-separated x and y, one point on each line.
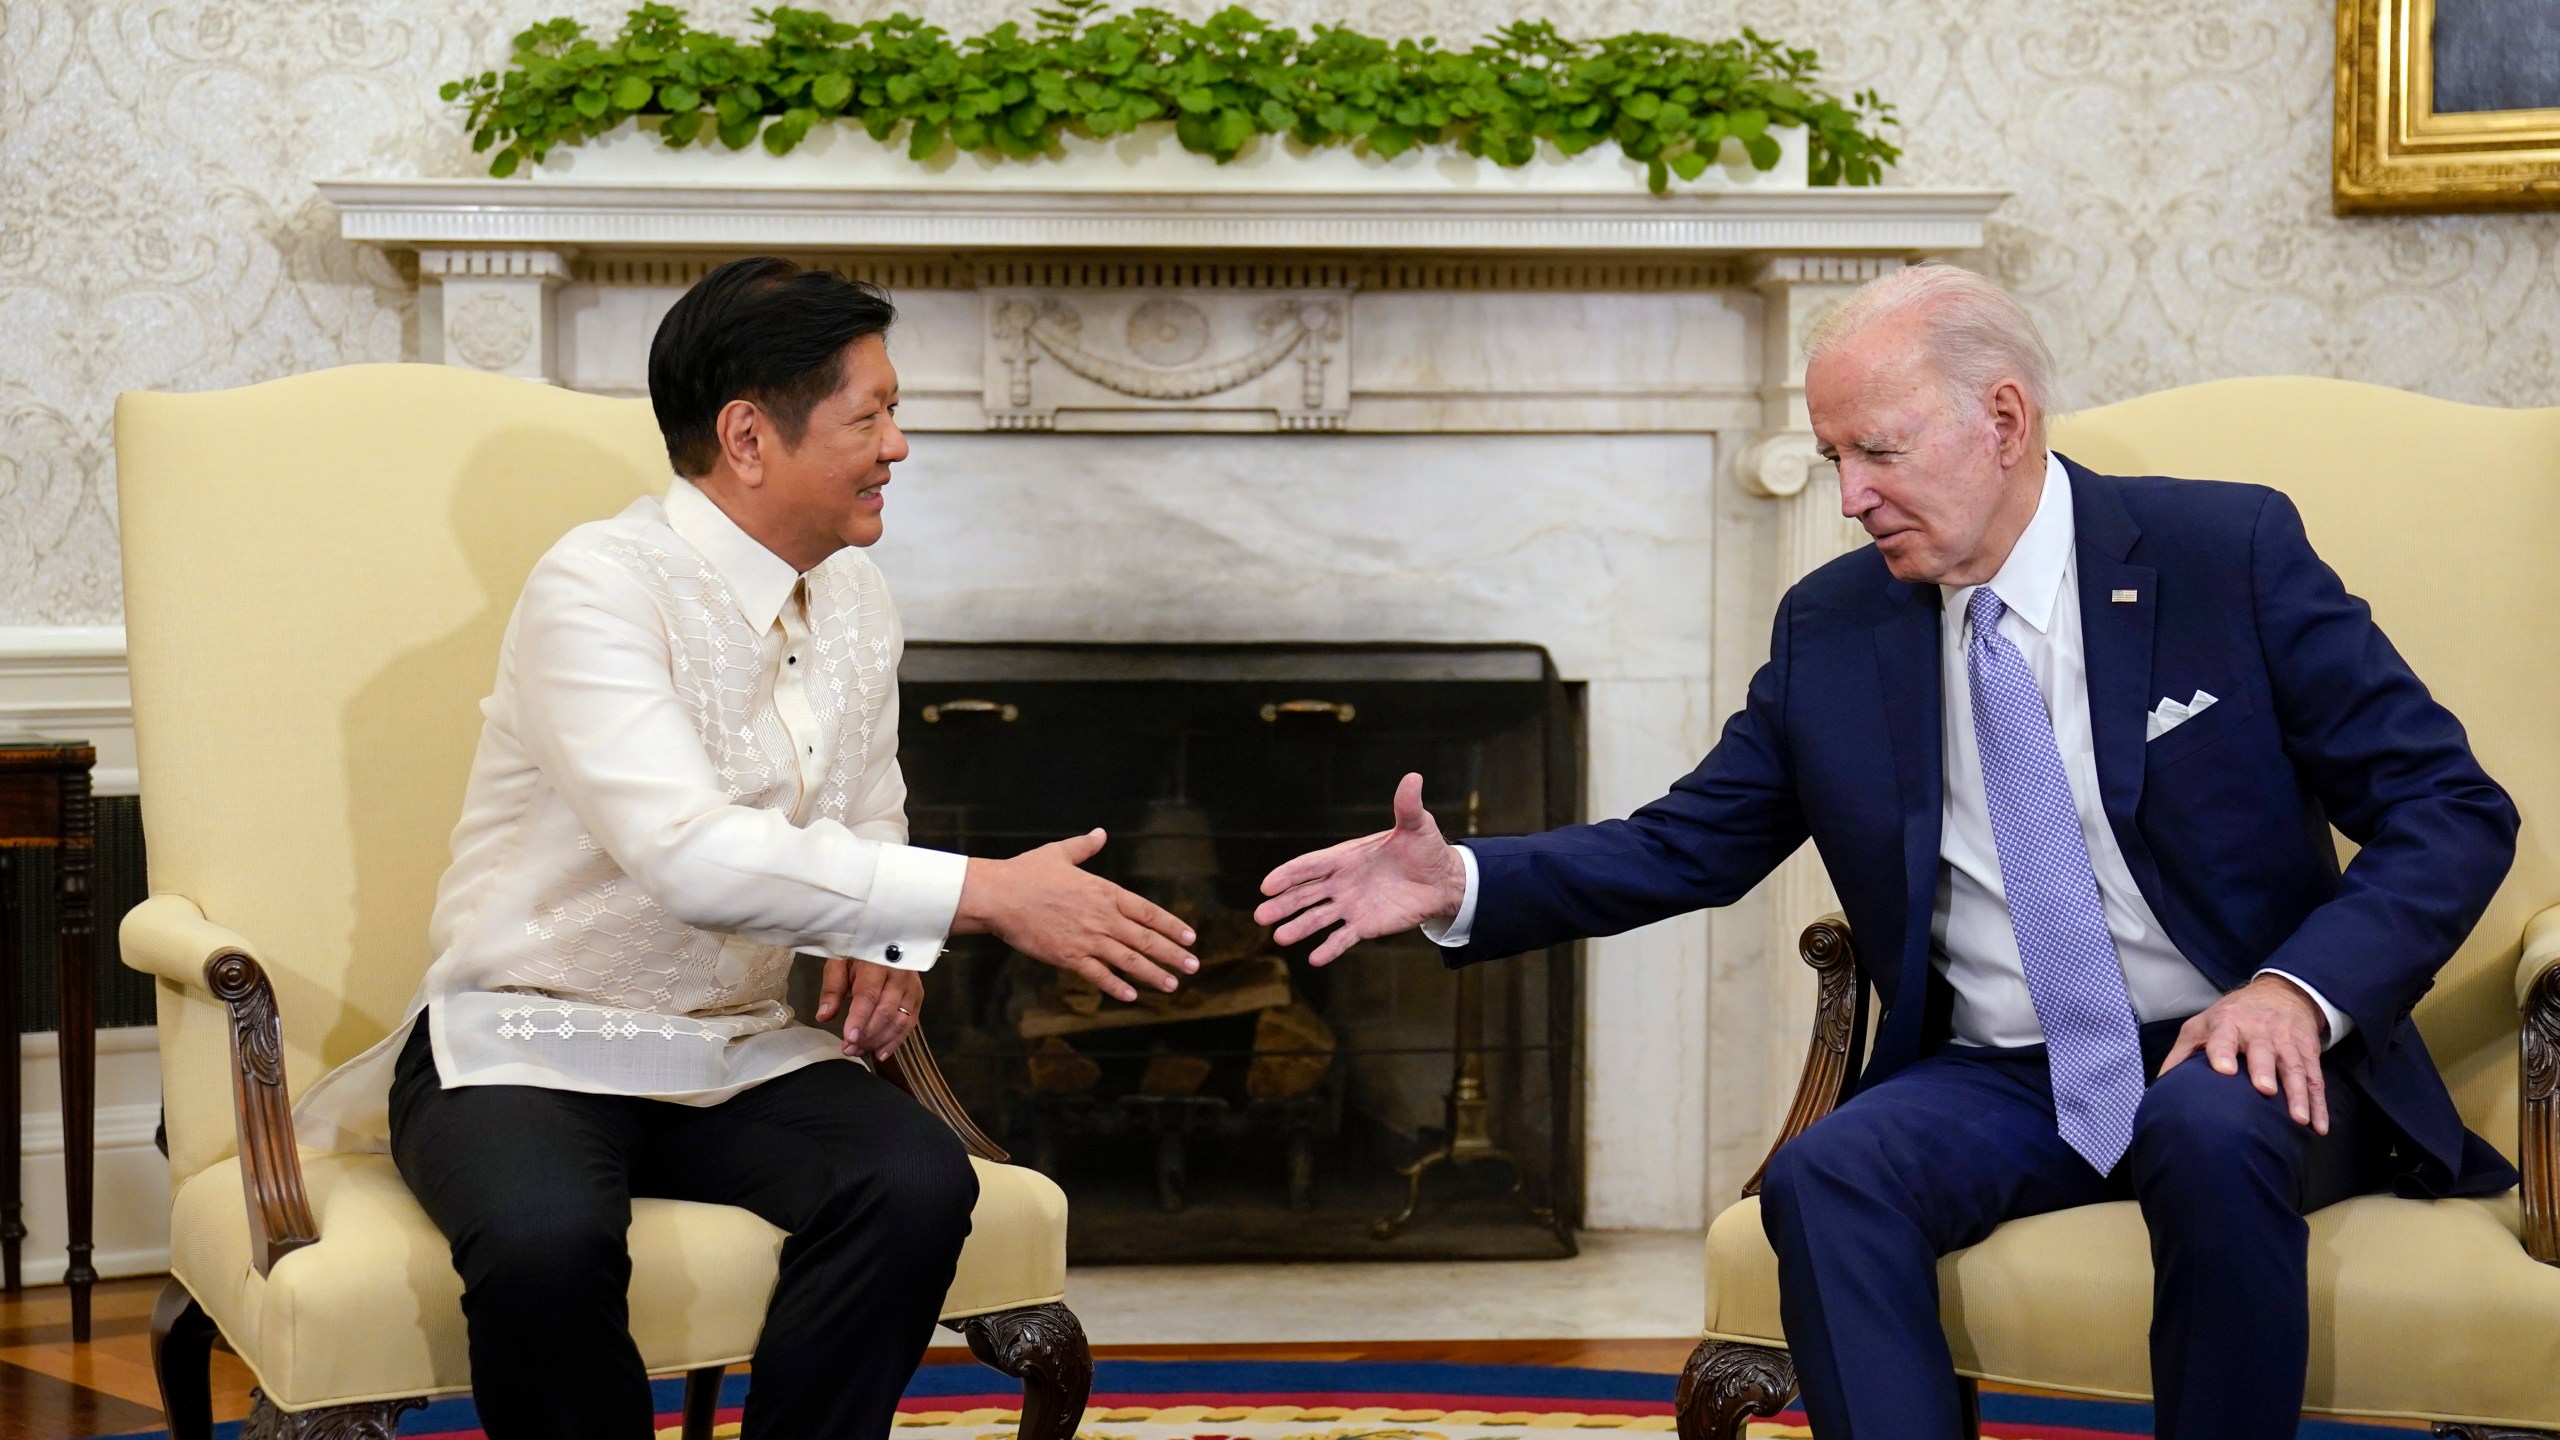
1351	1400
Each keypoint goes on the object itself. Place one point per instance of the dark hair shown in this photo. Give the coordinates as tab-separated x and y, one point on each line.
761	329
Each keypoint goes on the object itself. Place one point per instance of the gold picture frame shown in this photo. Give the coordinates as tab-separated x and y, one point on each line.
2396	154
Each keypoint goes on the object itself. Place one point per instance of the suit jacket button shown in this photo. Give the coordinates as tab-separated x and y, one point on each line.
890	954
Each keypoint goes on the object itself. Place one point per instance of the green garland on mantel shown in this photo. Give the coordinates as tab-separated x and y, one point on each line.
1668	101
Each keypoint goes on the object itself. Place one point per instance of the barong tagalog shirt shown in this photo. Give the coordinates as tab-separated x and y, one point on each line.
688	773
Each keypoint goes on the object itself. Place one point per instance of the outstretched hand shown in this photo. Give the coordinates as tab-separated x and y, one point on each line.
1046	905
1377	885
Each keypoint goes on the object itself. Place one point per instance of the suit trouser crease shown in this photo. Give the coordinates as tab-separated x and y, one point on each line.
533	1188
1861	1207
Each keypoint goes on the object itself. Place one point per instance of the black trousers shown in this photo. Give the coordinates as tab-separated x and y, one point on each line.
533	1187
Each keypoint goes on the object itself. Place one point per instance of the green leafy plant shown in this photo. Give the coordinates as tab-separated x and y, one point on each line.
1668	101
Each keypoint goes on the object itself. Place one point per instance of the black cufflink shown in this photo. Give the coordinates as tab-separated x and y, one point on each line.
890	954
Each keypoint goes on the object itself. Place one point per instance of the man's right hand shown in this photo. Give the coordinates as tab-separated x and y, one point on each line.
1041	903
1382	884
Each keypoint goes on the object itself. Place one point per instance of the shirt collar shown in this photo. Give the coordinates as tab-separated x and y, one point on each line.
2030	580
760	579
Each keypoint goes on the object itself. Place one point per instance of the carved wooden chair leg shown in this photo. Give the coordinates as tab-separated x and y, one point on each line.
702	1400
1044	1347
1969	1396
182	1357
374	1420
1726	1384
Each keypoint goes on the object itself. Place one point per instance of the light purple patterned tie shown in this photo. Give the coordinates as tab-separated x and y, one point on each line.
2093	1046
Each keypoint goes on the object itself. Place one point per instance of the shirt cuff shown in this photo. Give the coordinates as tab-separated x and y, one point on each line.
907	920
2339	1024
1454	935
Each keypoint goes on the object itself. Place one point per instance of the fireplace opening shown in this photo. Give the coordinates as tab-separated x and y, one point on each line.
1381	1107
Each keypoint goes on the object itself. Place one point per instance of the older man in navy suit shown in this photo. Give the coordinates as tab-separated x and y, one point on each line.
2071	747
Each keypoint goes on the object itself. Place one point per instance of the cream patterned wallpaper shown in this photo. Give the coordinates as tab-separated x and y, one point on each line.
2170	157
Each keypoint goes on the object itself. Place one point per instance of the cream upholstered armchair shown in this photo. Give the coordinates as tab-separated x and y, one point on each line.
317	572
2443	516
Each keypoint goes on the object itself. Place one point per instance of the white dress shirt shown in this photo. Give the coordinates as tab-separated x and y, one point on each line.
687	772
1973	944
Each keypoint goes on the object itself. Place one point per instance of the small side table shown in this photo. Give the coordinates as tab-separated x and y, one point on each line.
44	802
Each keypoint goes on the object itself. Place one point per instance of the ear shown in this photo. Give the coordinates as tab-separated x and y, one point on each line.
743	431
2012	422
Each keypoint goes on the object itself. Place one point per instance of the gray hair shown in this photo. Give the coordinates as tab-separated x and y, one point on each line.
1978	334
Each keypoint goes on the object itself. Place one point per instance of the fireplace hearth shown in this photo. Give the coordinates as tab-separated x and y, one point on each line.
1383	1107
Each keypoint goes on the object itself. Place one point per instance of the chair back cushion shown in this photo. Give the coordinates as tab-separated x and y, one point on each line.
318	571
2438	515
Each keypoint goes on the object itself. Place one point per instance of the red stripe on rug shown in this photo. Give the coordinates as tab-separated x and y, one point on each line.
1991	1430
1229	1399
2046	1432
1222	1400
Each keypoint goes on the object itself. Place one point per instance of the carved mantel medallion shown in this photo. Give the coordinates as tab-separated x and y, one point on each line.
1142	358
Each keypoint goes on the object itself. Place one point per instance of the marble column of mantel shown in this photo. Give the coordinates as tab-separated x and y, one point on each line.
1591	408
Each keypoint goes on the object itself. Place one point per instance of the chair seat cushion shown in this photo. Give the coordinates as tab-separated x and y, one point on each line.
373	1309
2424	1310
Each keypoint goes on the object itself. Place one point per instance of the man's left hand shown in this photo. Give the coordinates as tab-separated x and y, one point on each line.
2275	1028
879	1004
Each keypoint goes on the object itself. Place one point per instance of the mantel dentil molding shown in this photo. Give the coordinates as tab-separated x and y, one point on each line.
593	215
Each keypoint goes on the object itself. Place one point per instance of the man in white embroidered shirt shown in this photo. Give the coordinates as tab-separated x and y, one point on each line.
689	773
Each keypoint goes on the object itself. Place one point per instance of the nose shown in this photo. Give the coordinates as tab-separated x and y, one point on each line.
893	446
1857	495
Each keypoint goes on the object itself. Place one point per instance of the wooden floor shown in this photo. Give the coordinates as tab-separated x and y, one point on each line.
51	1389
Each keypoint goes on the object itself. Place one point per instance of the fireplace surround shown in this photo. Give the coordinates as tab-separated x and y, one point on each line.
1268	1109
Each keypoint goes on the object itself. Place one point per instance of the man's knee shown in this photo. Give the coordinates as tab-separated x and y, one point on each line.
547	1253
924	1186
2198	1127
936	1179
1833	1159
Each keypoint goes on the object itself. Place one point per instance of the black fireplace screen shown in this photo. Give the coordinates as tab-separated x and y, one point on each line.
1380	1107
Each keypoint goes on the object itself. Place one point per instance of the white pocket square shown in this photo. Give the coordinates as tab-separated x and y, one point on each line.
2168	715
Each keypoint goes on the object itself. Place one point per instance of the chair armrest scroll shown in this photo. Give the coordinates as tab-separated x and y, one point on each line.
1825	946
911	1067
2538	995
169	937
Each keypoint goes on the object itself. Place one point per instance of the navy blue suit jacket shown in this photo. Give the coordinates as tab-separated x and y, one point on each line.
2224	821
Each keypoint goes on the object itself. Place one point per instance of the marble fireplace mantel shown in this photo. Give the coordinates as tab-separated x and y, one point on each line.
1571	420
1256	277
588	214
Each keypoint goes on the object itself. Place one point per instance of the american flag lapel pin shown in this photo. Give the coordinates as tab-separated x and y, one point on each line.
2125	597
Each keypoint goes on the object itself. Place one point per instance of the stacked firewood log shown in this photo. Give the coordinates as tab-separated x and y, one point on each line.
1241	973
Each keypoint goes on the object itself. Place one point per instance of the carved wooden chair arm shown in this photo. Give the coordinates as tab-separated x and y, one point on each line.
169	937
1825	947
911	1067
2538	1146
270	1167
